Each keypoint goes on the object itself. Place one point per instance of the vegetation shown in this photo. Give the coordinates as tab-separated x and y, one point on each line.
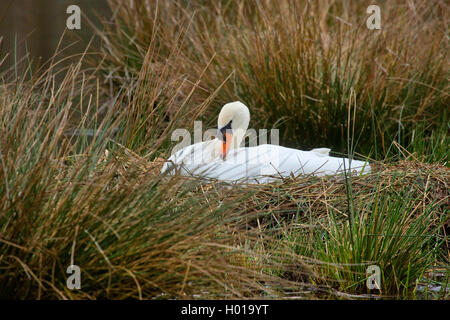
81	149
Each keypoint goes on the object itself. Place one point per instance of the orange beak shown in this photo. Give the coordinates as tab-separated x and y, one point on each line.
225	147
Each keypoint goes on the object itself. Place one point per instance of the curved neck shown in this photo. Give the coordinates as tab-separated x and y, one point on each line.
238	136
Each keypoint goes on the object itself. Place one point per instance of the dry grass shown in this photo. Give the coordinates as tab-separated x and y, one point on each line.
66	200
296	63
80	156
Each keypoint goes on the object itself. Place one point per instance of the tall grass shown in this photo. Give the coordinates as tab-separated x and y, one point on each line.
295	63
388	232
396	219
81	149
67	198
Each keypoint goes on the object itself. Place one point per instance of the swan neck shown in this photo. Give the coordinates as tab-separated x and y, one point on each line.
238	136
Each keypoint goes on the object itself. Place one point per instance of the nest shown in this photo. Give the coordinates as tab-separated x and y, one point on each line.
306	194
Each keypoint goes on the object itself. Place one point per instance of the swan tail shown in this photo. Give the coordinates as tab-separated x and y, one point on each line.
323	152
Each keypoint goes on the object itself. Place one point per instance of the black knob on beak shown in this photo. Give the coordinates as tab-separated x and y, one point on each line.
221	132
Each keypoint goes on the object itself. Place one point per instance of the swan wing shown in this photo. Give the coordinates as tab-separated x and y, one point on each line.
262	163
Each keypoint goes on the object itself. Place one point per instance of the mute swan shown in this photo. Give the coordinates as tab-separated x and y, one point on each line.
223	158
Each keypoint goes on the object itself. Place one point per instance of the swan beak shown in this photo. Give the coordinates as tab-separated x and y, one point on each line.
225	145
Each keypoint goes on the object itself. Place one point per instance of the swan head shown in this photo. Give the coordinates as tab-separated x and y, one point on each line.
232	124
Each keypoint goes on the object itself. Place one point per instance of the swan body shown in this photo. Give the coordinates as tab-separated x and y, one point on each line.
227	161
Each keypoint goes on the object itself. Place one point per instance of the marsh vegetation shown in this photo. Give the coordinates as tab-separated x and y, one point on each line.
81	147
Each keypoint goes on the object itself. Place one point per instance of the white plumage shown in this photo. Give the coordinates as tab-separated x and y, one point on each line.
260	164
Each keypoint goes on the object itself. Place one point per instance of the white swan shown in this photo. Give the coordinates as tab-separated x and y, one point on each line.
223	158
